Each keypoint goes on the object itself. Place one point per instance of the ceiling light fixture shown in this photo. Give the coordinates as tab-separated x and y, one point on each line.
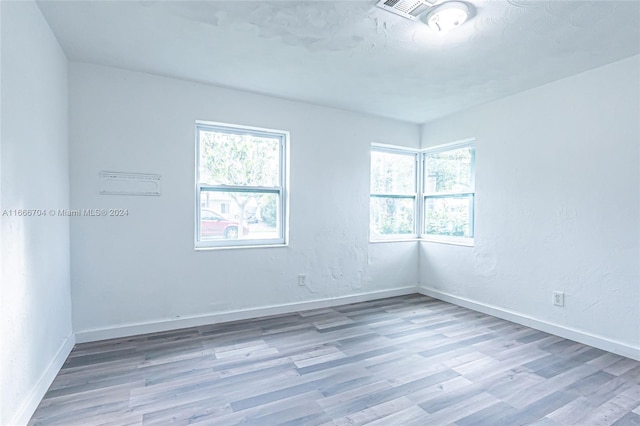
447	16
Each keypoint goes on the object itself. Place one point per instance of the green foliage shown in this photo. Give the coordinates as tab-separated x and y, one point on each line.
448	216
233	159
238	159
397	222
392	173
448	171
390	216
268	210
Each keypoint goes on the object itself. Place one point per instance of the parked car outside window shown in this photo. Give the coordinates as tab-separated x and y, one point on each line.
213	224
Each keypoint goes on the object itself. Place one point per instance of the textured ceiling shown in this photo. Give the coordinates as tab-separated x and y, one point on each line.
350	54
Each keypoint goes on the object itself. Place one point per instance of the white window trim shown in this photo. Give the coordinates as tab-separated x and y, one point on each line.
281	190
419	221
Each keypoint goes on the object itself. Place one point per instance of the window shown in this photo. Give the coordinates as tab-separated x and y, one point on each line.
435	201
449	190
241	190
393	194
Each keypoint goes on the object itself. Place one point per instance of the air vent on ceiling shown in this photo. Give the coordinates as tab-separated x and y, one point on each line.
409	9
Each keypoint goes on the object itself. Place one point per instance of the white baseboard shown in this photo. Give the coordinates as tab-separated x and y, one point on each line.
196	321
596	341
29	405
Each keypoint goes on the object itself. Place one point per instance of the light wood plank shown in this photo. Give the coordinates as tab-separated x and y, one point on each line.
404	360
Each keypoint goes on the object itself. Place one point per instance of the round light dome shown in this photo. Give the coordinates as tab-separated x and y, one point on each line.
447	16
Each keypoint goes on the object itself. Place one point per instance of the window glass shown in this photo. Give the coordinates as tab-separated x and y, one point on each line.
449	192
392	208
449	216
228	158
258	212
392	173
241	186
448	171
392	216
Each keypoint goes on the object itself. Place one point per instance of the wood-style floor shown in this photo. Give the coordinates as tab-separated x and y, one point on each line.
404	360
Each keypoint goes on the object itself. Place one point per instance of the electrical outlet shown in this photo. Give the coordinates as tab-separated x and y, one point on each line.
302	279
558	298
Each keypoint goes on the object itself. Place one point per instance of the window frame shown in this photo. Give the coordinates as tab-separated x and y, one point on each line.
420	203
281	190
415	196
449	239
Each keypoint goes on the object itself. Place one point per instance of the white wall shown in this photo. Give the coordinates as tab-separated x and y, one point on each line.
557	208
143	269
35	302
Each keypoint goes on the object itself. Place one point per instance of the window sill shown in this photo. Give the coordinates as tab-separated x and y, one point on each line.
248	246
456	241
395	240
